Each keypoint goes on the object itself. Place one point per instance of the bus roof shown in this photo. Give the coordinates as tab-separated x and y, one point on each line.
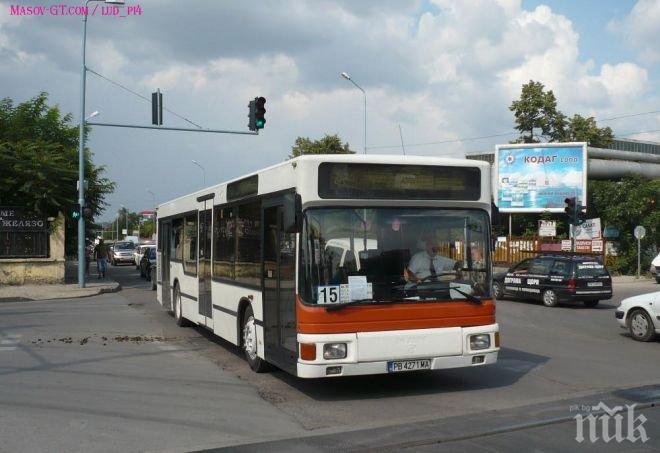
342	158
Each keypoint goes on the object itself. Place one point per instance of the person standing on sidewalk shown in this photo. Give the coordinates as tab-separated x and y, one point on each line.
101	255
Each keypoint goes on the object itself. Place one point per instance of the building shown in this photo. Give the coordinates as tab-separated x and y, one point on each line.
631	156
31	248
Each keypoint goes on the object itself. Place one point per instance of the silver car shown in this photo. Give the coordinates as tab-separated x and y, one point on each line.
123	252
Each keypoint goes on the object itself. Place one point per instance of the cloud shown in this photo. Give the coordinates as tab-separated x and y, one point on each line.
640	29
441	70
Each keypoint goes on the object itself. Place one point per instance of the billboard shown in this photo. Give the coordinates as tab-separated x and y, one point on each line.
537	177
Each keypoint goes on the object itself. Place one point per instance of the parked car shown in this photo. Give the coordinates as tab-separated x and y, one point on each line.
554	278
640	315
122	252
139	251
655	268
148	260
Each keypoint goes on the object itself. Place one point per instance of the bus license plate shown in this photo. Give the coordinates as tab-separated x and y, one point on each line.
594	283
408	365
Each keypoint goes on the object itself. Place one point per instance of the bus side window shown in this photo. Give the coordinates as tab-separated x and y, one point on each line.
176	245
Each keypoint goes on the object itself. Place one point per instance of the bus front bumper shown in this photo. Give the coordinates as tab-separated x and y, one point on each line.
356	369
399	351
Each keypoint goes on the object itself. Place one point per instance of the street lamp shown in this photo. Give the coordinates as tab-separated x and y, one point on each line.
92	115
153	197
203	171
81	150
347	77
125	215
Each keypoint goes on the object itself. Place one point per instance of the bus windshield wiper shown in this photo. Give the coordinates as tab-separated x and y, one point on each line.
468	296
334	307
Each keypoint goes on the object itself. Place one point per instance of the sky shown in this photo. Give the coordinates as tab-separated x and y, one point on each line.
442	71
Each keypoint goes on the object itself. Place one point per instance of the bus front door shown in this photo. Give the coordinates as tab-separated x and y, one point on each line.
279	269
165	236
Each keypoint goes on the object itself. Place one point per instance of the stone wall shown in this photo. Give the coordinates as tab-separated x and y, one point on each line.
20	271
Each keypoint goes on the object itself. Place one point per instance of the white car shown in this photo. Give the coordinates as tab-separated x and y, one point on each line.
640	315
139	252
655	268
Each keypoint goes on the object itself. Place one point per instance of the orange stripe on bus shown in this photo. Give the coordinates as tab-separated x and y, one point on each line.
400	316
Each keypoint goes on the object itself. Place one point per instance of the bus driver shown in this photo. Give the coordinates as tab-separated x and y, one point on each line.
428	262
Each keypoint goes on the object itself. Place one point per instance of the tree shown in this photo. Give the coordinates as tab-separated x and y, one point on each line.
624	204
581	129
39	162
537	118
536	115
329	144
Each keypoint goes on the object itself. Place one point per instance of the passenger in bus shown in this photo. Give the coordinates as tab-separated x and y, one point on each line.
428	263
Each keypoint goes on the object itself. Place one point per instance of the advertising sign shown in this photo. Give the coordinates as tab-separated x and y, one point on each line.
590	229
566	245
582	246
538	177
547	228
15	219
597	245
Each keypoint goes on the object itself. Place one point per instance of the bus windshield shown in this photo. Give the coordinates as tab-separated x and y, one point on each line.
394	255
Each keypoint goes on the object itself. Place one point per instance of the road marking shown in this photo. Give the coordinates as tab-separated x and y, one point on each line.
10	341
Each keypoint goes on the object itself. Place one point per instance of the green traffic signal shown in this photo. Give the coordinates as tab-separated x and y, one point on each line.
256	113
260	113
75	211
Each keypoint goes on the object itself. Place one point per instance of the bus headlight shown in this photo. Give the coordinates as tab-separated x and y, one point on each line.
334	351
480	341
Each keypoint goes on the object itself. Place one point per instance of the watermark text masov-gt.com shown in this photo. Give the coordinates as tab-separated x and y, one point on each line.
75	10
601	422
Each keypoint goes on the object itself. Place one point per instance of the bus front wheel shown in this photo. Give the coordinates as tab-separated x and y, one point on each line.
249	342
178	308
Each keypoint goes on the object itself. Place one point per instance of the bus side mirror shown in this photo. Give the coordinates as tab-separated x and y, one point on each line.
292	213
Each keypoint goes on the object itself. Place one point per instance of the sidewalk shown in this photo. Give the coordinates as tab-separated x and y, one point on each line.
630	279
68	290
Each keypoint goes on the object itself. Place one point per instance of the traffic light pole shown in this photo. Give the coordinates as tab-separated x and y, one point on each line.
81	161
166	128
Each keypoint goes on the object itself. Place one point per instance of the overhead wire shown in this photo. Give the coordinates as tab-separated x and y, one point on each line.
142	97
503	134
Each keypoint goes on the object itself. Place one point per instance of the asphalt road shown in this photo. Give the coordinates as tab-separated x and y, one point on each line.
188	390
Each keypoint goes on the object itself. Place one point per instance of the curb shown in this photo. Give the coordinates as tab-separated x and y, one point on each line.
114	289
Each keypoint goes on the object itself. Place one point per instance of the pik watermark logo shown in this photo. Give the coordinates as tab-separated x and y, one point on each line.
601	422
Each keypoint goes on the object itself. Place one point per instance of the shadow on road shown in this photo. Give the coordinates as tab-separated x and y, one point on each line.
512	365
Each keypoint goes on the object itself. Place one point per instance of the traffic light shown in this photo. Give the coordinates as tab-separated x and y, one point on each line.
252	115
74	211
570	210
260	112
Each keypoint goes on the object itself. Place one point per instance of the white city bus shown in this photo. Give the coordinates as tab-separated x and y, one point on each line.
306	265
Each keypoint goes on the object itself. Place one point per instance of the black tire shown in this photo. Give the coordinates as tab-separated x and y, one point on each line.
249	342
591	303
550	298
498	291
657	279
178	314
640	325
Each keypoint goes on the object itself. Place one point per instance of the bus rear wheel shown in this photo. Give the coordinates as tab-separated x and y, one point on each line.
249	342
